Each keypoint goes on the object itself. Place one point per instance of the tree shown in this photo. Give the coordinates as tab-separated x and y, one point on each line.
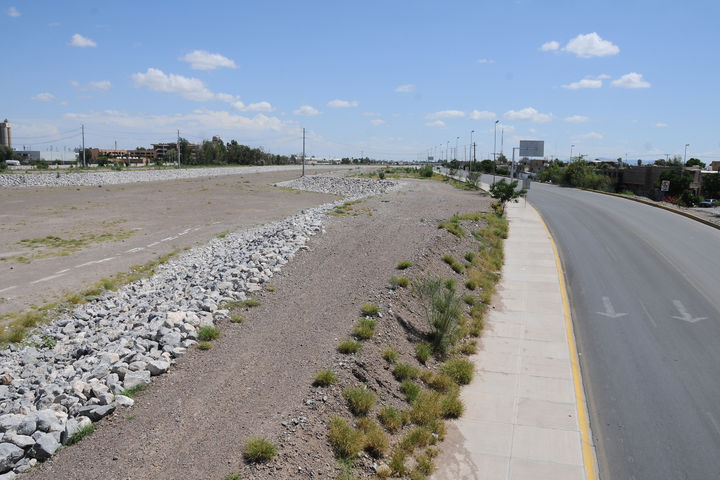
711	185
680	181
695	161
506	192
6	153
487	166
171	156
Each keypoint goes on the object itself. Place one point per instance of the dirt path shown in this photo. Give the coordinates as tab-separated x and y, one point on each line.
194	421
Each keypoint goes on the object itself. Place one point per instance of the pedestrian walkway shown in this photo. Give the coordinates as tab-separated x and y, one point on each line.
524	411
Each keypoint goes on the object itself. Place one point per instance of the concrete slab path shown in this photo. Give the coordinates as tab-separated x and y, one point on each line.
525	413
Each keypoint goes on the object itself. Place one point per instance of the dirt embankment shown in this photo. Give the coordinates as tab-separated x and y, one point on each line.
256	380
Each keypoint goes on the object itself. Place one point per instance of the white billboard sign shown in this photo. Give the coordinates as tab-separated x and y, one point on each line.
532	148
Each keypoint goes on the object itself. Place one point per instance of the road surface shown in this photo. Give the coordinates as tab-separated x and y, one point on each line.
644	285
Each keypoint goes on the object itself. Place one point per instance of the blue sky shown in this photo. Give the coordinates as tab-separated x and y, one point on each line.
388	79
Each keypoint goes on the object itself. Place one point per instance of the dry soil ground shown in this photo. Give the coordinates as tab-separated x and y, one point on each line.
117	226
193	422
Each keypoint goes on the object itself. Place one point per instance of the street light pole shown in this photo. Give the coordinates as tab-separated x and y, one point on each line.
456	147
472	161
447	149
495	150
685	158
571	148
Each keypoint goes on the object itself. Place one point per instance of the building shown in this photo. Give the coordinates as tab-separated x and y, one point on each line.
715	166
5	134
160	149
137	156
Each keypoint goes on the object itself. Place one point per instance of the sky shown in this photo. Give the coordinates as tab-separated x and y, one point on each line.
393	80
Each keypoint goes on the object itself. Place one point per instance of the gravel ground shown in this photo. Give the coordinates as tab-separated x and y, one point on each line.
194	421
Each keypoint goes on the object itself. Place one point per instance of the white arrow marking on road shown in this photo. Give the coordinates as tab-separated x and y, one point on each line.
684	314
610	310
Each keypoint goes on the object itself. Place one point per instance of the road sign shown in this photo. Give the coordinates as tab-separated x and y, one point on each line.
665	186
532	148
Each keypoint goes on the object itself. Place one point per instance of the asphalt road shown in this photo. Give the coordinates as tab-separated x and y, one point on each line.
644	286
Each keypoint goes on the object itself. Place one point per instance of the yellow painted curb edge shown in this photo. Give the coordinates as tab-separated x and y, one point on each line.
587	446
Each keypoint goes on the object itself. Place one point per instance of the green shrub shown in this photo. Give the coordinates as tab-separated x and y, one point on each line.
259	450
237	319
452	406
403	264
439	382
80	434
233	476
325	378
404	371
459	369
208	333
469	256
396	282
442	309
359	399
397	461
422	352
345	440
471	284
364	329
418	437
376	440
133	392
426	171
468	348
390	355
410	389
204	345
426	408
349	346
370	309
469	300
392	419
250	303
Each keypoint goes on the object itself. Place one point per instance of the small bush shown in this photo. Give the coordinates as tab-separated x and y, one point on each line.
450	260
425	464
404	371
360	400
468	348
426	408
422	352
208	333
204	345
442	310
452	406
349	346
376	440
459	369
397	462
469	300
80	434
390	355
364	329
325	378
370	309
469	256
17	335
133	392
471	284
402	265
250	303
345	440
410	389
233	476
439	382
450	284
259	450
392	419
396	282
237	319
418	437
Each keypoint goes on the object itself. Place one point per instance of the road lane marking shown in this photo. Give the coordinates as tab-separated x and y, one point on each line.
136	249
684	314
714	422
609	309
63	270
8	288
167	239
51	277
153	244
589	458
652	320
94	262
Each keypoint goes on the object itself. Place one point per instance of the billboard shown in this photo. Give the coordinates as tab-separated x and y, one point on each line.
532	148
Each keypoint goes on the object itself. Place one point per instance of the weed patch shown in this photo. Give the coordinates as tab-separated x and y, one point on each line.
390	355
423	352
376	440
459	369
80	434
359	399
365	329
208	333
325	378
392	419
370	310
349	346
259	450
404	264
346	441
404	371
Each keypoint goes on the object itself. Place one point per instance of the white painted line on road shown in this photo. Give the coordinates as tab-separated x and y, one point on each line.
51	277
63	270
167	239
184	232
106	259
652	320
133	250
153	244
8	288
609	309
714	422
94	262
684	314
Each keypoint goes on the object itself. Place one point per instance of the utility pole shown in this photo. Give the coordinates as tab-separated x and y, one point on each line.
83	139
178	147
303	155
456	147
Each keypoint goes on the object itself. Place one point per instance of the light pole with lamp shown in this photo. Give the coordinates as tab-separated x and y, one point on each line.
685	158
495	150
571	148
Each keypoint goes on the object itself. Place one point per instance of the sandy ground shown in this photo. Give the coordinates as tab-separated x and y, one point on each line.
194	421
140	222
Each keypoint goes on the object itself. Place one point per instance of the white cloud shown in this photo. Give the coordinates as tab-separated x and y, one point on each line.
631	80
661	125
591	45
445	114
603	77
530	114
102	85
590	136
342	103
264	107
44	97
377	121
188	88
306	111
436	123
584	83
577	119
405	88
226	97
550	46
13	12
204	60
80	41
372	114
484	115
486	60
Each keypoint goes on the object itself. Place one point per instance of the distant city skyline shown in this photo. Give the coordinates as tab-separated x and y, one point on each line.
395	81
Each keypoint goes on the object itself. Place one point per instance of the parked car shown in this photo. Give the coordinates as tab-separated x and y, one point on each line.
707	203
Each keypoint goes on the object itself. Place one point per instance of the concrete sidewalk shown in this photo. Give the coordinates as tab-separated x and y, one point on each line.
525	415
